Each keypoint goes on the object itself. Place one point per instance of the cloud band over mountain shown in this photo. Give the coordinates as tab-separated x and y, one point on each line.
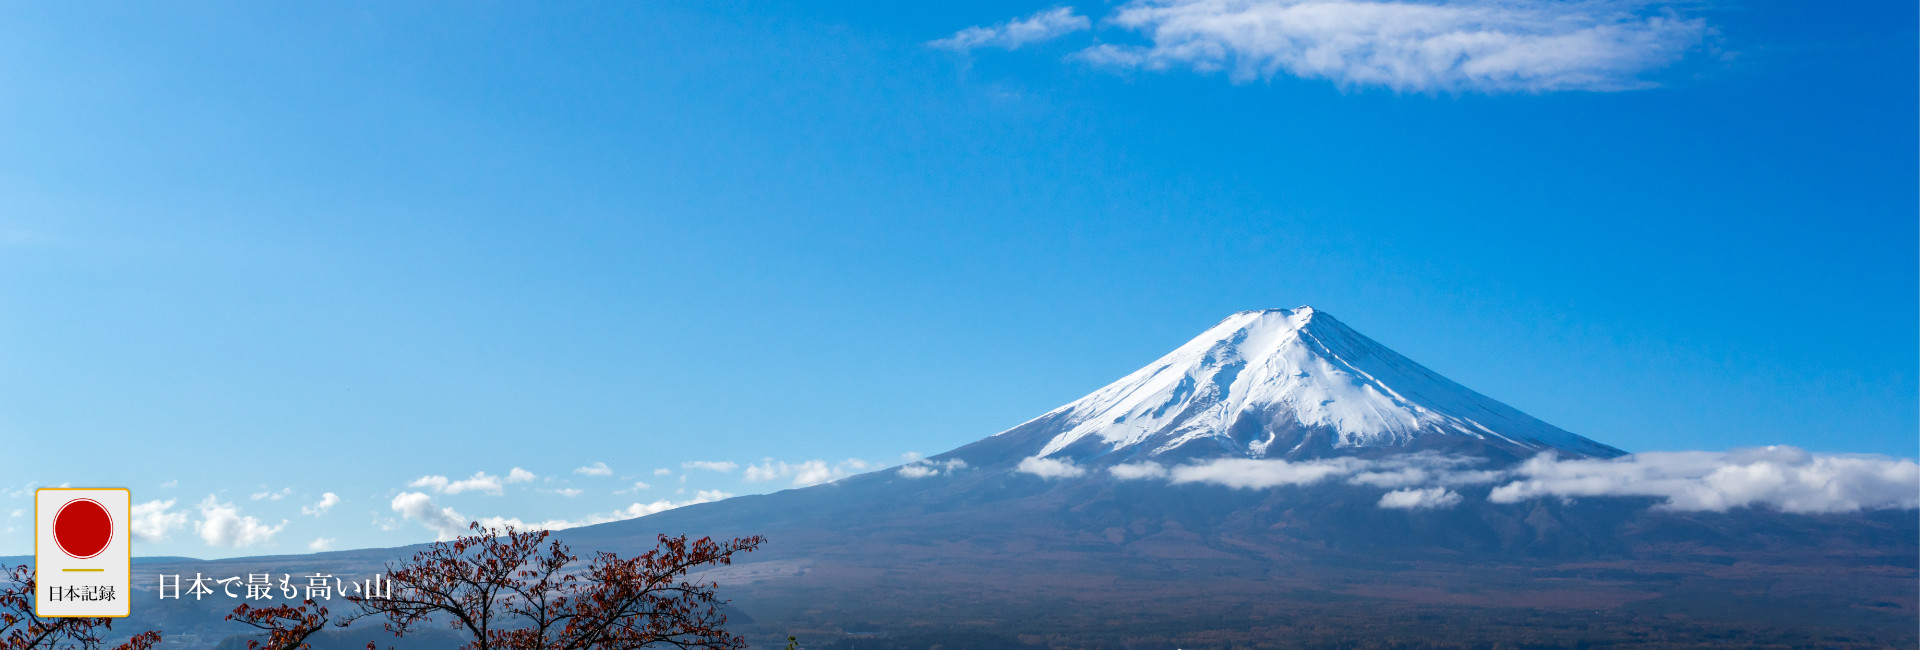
1782	478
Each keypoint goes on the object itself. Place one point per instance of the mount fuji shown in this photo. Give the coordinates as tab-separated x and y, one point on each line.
1042	536
977	547
1286	384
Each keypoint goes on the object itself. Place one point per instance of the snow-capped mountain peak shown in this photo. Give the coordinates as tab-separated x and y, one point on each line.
1289	383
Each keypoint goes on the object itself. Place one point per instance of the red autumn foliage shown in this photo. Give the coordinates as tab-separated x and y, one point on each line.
510	594
20	629
287	626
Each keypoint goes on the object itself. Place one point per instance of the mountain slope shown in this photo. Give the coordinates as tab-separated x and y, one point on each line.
978	554
1280	383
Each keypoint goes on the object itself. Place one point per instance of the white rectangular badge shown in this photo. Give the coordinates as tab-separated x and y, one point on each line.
82	561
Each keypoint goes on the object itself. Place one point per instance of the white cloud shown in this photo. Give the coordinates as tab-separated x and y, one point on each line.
221	524
445	523
637	486
17	512
918	470
1418	469
479	482
23	491
1423	469
327	502
517	475
1393	478
1420	498
321	544
927	468
1785	478
663	505
812	472
153	520
171	484
568	492
629	512
722	466
1131	471
1257	473
1042	26
662	471
517	524
269	494
764	472
817	472
1407	45
1049	468
596	469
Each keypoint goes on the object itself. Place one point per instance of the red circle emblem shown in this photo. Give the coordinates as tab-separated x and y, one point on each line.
82	528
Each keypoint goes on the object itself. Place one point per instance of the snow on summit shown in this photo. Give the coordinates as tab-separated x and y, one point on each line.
1290	383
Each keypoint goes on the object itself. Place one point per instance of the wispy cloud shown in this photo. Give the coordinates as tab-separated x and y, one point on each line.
447	523
154	520
1463	45
221	524
812	472
644	509
1049	468
1420	469
327	502
1424	469
928	469
518	475
1043	26
1784	478
479	482
596	469
1420	498
321	544
1257	473
722	466
271	494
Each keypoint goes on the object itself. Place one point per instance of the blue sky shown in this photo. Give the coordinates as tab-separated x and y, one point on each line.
287	251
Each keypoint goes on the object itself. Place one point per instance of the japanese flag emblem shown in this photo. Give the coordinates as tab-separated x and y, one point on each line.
82	552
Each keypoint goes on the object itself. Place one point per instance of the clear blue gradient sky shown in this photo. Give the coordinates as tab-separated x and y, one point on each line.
248	248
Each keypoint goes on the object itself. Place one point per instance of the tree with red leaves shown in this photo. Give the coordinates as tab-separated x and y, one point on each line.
509	594
21	629
287	626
